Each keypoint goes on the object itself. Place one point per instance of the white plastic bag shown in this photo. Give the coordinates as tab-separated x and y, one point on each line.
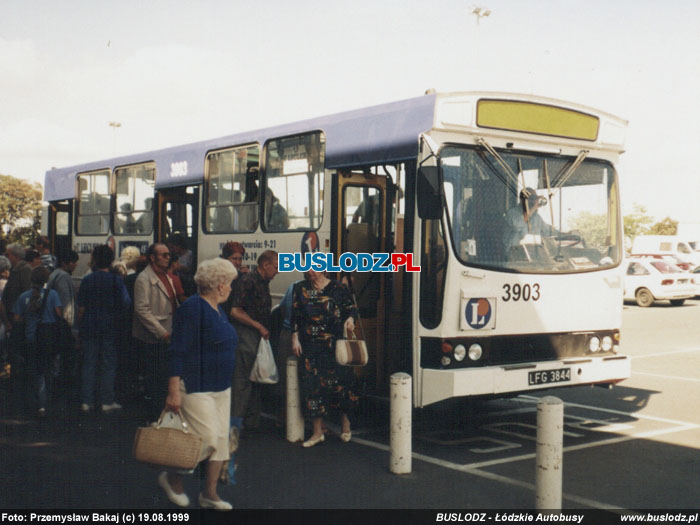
264	370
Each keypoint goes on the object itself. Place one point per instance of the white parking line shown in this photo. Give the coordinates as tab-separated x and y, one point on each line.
533	399
476	468
469	469
571	497
678	378
602	442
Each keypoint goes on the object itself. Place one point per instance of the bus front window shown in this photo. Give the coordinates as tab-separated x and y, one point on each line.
538	216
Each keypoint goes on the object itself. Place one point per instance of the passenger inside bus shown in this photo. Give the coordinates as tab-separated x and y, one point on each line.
275	214
125	221
144	224
368	210
246	216
251	182
221	219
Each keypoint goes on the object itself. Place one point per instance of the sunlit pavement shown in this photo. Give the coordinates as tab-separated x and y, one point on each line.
631	447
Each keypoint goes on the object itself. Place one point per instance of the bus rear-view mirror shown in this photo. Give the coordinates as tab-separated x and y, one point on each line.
429	193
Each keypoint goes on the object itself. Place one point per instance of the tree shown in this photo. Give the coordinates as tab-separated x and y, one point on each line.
592	227
637	222
665	227
20	209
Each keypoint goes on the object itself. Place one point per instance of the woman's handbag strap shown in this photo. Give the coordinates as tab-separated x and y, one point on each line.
183	423
359	318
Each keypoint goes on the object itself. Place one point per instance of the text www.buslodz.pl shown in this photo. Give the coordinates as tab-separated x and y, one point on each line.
347	262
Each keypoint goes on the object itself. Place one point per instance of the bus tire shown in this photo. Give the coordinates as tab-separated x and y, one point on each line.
644	297
677	302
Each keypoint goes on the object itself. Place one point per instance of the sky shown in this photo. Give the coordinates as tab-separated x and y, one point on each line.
173	72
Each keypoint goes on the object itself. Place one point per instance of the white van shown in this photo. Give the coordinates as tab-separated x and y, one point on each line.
665	244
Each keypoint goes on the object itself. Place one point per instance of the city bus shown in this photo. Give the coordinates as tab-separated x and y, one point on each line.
444	177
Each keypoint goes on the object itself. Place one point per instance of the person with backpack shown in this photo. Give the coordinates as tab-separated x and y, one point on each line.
38	310
102	301
61	280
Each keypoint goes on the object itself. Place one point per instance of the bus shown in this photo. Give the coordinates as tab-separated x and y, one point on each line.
443	176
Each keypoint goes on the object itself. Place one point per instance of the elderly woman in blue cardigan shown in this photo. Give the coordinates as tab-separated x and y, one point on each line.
201	367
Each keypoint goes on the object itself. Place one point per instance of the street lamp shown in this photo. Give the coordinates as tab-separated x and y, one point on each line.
480	12
114	125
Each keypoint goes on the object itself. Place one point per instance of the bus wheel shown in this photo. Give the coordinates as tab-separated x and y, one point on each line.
677	302
644	297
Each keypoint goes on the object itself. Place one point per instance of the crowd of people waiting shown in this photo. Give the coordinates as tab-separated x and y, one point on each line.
174	339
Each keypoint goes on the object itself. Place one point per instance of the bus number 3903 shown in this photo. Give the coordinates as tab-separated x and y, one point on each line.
516	292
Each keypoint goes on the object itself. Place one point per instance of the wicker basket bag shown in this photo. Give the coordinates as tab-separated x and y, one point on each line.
168	443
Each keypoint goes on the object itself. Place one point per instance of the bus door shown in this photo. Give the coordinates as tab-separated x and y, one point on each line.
178	213
362	228
60	220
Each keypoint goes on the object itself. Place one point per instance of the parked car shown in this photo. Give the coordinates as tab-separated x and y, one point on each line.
666	244
669	258
695	280
648	280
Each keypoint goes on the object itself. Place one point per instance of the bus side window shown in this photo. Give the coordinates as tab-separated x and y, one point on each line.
293	183
134	199
231	177
93	203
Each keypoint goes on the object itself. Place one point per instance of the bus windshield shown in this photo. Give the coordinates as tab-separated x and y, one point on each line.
538	213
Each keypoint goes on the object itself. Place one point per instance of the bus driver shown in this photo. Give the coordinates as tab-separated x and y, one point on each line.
523	219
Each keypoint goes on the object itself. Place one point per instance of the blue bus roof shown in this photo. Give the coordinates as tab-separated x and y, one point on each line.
379	134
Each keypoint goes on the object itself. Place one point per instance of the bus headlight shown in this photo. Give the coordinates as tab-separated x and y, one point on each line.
607	343
445	361
594	344
460	352
475	352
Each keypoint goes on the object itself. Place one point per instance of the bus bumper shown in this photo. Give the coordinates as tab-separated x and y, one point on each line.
437	385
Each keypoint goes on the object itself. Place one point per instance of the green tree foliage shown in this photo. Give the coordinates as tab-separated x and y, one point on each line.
665	227
20	209
637	222
592	227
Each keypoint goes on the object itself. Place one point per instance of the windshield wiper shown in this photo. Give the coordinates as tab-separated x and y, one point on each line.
501	162
566	176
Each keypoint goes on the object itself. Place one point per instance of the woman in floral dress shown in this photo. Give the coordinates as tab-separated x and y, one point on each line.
321	310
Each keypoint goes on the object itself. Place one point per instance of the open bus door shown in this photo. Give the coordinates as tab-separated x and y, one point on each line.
59	230
178	213
362	228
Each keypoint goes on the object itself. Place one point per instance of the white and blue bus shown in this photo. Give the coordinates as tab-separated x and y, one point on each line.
440	176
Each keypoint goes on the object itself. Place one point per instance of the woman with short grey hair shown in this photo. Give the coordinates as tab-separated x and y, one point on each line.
212	273
202	359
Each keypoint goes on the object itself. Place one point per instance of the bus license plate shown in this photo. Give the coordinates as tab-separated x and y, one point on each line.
544	377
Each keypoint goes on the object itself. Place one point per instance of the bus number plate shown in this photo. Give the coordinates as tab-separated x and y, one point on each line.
544	377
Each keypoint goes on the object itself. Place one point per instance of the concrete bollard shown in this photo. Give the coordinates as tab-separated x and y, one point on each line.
295	421
400	409
550	440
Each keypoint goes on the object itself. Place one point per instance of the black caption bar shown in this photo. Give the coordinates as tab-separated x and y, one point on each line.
349	517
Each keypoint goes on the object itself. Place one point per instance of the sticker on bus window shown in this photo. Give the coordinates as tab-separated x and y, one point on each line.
478	313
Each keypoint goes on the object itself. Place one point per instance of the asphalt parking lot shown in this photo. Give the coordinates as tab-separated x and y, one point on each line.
633	447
